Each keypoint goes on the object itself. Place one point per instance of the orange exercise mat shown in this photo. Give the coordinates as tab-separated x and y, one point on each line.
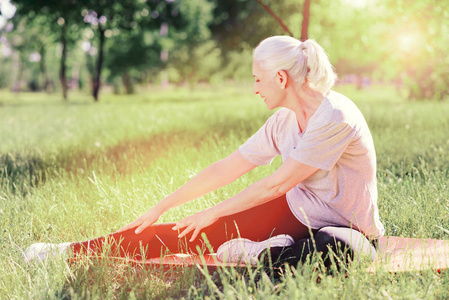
398	254
395	254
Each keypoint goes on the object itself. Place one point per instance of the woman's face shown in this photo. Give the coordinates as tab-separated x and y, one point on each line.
267	87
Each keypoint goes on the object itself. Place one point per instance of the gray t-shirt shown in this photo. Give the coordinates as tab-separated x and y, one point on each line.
337	141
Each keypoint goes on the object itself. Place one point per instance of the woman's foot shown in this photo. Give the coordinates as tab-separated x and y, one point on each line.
42	251
247	251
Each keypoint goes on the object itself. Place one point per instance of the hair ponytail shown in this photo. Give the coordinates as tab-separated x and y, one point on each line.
320	73
304	62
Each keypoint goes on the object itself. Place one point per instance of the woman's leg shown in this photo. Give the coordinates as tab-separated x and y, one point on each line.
258	223
348	242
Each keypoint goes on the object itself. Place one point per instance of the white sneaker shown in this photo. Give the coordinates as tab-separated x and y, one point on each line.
42	251
247	251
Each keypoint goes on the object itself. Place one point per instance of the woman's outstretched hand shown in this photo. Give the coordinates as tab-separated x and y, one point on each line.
195	222
144	221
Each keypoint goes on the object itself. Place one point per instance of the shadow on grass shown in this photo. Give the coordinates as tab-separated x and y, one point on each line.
22	171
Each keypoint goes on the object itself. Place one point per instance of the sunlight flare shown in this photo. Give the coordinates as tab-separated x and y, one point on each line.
356	3
410	41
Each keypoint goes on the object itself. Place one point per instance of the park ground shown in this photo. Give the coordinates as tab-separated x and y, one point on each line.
78	170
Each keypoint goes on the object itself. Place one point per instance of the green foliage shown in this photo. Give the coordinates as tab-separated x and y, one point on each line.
239	24
191	54
205	70
5	75
197	17
396	40
238	64
139	51
30	39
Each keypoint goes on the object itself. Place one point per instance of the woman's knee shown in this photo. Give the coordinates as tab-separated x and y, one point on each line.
328	242
351	242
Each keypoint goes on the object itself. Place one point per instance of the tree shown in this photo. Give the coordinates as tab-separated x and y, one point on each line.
61	16
138	53
104	16
305	19
169	34
189	31
276	17
141	43
29	41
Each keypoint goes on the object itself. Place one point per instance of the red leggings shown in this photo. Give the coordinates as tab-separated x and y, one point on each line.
257	224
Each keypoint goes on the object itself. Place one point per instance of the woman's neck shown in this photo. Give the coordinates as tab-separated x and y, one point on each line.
304	103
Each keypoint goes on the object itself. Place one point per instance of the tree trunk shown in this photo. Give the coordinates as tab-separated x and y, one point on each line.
43	69
62	70
17	67
129	89
191	77
305	20
75	82
97	79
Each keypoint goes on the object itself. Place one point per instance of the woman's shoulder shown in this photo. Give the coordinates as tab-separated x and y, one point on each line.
342	109
282	121
282	112
282	115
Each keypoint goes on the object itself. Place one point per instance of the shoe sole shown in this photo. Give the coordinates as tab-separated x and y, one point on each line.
42	251
238	248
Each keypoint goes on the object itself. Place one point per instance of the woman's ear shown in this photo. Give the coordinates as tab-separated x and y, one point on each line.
282	78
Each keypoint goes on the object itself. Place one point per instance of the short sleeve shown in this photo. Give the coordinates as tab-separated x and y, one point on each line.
260	149
322	147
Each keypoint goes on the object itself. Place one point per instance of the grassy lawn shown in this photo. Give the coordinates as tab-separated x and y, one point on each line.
79	170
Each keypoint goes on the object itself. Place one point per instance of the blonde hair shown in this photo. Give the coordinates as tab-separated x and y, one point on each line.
303	61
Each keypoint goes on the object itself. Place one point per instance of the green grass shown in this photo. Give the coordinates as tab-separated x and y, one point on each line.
78	170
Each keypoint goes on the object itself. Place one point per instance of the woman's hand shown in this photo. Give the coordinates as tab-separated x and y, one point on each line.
211	178
144	221
195	222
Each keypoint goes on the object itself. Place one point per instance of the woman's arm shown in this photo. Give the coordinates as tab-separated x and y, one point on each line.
277	184
211	178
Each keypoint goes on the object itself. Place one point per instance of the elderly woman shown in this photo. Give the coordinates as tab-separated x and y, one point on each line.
325	189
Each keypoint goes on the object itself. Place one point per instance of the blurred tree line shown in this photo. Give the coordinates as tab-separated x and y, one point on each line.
62	45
